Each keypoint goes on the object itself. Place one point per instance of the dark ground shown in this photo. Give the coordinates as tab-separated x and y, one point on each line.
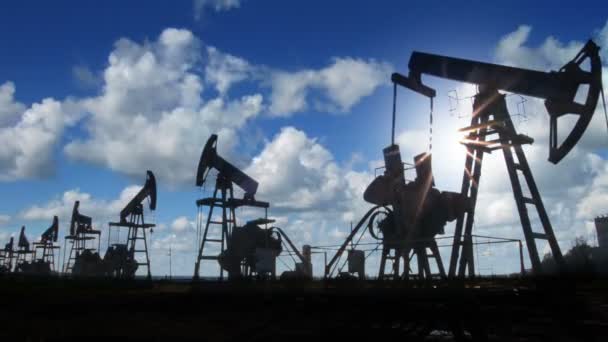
54	309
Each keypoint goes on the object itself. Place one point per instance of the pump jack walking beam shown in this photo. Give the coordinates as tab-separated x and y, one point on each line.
558	88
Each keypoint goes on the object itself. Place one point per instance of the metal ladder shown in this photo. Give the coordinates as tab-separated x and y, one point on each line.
486	104
48	254
137	225
74	252
22	254
225	223
78	245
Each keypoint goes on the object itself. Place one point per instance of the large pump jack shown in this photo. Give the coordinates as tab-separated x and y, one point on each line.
491	118
120	258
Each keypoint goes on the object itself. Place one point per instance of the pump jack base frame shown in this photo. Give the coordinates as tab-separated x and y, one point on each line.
133	236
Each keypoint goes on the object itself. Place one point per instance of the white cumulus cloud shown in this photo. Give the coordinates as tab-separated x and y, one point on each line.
223	70
182	224
9	108
343	84
102	211
156	110
297	173
151	113
217	5
30	135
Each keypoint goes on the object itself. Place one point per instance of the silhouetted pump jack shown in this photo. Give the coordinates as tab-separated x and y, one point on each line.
84	259
6	257
121	258
24	253
45	263
223	198
491	118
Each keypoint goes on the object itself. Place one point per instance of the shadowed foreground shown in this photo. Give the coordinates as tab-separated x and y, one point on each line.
49	309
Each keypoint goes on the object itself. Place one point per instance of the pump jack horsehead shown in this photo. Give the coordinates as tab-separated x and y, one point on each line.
491	118
121	259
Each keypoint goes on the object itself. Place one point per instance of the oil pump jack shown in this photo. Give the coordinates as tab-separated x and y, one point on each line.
491	119
121	259
46	262
84	256
224	227
24	253
6	257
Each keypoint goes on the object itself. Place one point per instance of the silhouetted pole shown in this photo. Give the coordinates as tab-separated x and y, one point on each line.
521	258
170	263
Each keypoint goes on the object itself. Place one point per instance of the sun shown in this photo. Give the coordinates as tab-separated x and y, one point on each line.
450	147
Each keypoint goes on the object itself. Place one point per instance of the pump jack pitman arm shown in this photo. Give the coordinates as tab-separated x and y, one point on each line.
558	88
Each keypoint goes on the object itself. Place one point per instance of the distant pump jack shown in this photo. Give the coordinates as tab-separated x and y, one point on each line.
121	259
83	259
6	257
24	253
45	264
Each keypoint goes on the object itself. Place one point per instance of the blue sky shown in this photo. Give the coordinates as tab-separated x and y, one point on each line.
61	50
